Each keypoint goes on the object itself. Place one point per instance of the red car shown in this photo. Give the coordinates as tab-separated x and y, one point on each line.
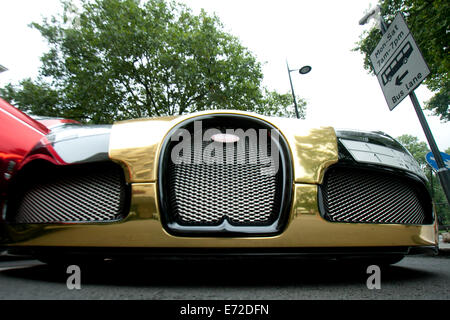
19	134
23	139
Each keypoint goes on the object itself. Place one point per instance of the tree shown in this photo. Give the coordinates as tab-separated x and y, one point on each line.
418	150
121	59
429	24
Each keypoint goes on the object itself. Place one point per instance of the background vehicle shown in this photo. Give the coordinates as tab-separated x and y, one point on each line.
19	135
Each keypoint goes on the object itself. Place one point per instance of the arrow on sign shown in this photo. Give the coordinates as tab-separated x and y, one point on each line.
398	80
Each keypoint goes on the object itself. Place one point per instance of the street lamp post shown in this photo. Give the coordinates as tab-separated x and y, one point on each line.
302	70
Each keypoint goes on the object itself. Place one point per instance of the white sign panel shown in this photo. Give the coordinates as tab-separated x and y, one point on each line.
402	73
398	63
389	43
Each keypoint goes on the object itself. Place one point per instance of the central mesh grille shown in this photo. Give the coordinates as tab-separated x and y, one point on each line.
87	194
240	187
352	195
206	193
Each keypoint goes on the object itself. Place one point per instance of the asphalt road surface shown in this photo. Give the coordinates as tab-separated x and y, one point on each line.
415	277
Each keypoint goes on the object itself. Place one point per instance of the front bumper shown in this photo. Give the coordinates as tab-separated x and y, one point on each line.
142	228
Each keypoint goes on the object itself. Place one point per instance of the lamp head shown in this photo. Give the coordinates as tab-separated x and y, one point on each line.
304	69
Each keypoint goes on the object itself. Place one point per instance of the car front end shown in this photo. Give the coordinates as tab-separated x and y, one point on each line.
218	183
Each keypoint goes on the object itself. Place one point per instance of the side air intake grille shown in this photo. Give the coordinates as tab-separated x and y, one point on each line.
89	193
362	196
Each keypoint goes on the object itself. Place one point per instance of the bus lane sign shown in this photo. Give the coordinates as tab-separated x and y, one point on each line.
398	63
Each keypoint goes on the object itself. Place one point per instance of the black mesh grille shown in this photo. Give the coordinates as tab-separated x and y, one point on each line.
362	196
245	193
74	194
240	187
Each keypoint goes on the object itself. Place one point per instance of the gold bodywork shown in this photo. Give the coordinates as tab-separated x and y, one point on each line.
136	145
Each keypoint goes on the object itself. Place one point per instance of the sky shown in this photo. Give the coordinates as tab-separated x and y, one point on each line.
320	33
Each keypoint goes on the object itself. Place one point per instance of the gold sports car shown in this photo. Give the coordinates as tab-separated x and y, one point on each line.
215	183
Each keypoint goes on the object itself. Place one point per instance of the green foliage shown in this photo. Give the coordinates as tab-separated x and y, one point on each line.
272	100
36	98
418	150
439	103
122	59
429	23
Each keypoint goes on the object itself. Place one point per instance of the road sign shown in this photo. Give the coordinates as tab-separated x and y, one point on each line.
432	161
398	63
